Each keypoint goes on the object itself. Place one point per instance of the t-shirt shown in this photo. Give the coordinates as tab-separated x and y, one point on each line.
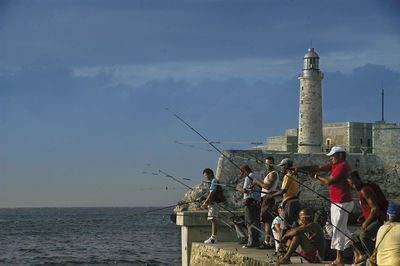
388	253
213	186
339	191
274	185
291	184
255	192
277	220
317	239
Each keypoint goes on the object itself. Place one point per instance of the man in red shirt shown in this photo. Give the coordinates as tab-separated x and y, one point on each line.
339	191
372	218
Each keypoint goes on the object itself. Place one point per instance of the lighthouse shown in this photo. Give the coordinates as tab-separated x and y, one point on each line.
310	105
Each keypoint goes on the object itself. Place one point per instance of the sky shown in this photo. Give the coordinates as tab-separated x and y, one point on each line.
84	86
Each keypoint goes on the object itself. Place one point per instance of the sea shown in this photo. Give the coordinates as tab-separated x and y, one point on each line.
89	236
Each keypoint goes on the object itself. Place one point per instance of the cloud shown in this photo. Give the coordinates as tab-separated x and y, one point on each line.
251	69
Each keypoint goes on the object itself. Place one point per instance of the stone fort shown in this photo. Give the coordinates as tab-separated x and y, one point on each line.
372	148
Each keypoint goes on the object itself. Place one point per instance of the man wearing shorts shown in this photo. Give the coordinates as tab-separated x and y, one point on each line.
212	207
290	193
269	185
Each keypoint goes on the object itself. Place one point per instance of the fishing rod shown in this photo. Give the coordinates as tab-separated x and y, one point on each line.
210	143
192	146
162	208
235	188
170	176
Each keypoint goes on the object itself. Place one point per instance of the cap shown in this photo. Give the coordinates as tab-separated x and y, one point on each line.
336	149
242	168
286	161
394	209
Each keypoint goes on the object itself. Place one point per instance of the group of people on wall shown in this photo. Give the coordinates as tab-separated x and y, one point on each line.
291	229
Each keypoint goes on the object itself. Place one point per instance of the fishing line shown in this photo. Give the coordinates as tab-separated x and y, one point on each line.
172	177
212	145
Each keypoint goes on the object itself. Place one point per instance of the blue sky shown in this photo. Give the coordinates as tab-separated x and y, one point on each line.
84	86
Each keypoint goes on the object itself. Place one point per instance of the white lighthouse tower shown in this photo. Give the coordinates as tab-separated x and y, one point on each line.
310	111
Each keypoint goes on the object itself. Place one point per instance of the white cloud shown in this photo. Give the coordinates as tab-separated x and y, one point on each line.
251	69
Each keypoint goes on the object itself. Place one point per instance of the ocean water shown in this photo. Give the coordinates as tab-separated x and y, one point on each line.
88	236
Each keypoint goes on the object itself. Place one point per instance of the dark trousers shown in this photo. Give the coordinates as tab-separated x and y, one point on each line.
290	214
363	239
252	217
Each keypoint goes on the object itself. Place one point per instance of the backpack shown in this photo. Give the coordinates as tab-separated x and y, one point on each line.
218	195
380	197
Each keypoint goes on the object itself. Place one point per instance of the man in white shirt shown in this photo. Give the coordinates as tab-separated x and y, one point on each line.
251	197
269	185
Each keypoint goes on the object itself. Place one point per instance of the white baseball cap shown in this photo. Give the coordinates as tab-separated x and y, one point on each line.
336	149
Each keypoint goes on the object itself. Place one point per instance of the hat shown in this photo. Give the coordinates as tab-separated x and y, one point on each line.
336	149
242	168
394	209
286	161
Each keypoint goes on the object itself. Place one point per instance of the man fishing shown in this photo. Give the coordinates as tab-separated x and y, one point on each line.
210	202
269	185
309	237
373	216
290	193
340	196
251	197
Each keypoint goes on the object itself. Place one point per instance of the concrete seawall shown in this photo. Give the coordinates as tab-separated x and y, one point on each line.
231	253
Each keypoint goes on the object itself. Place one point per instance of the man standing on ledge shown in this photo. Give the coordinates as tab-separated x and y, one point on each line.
290	193
251	198
339	191
212	207
267	205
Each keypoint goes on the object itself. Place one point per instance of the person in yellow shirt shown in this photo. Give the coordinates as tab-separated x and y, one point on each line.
388	239
290	193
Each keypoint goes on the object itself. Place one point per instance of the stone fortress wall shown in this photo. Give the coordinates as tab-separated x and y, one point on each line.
382	167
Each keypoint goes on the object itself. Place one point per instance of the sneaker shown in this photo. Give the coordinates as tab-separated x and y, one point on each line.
249	246
211	240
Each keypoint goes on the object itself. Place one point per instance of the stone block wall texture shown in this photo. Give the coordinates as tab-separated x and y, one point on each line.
205	255
310	114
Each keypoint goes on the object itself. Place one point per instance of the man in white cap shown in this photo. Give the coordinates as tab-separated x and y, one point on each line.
340	195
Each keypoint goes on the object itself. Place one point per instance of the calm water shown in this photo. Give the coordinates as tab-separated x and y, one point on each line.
88	236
